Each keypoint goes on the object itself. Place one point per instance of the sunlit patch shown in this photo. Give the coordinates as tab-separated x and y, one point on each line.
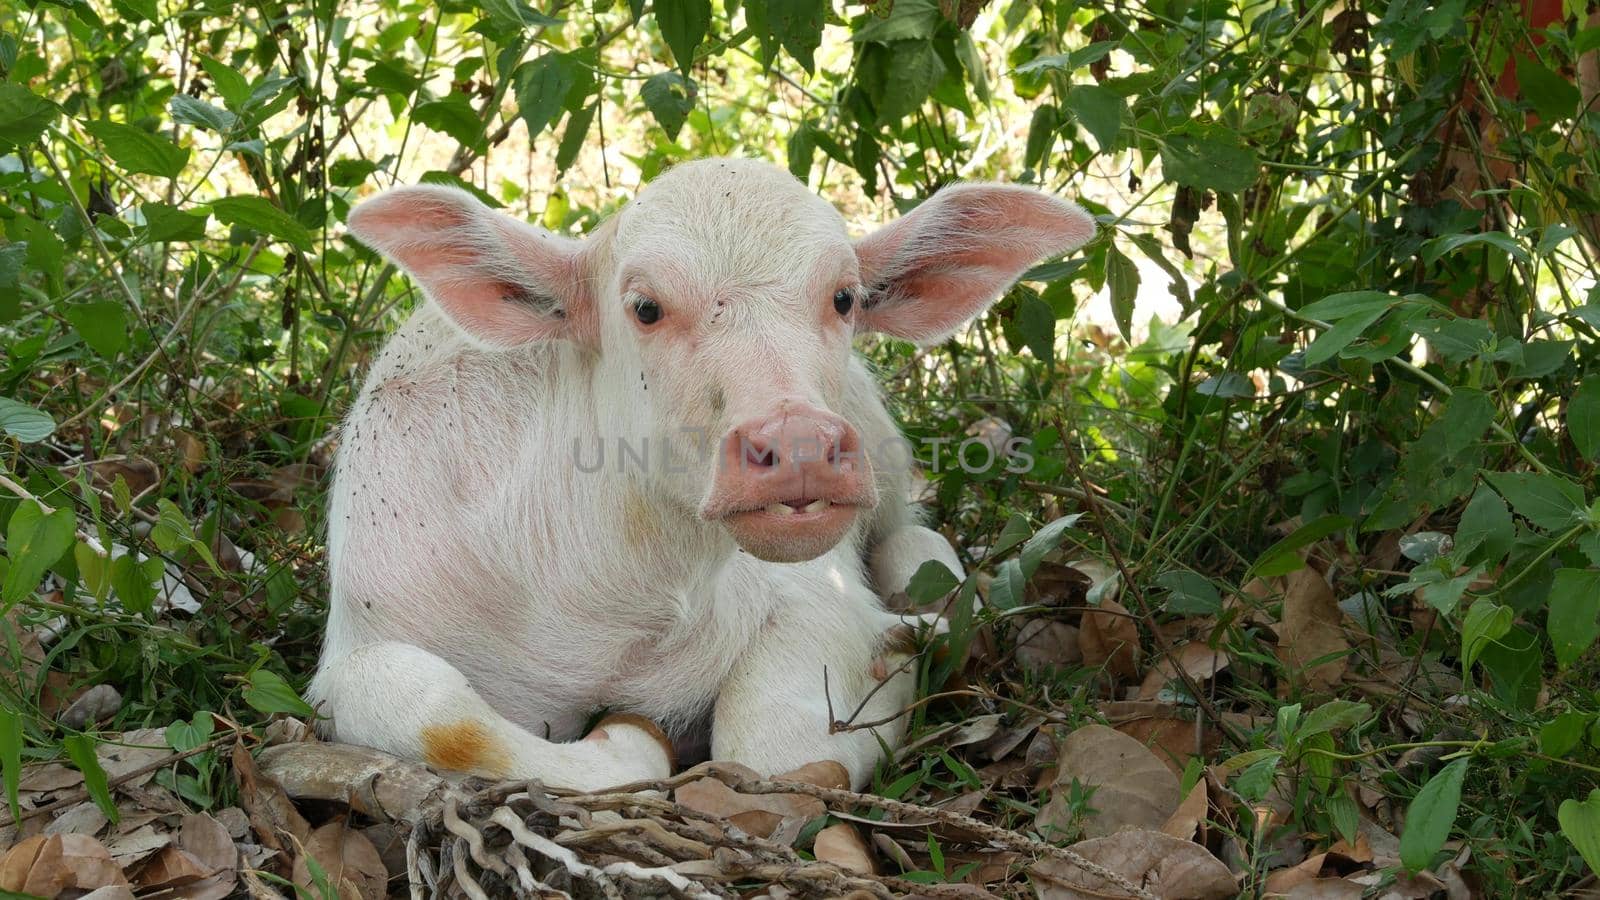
464	746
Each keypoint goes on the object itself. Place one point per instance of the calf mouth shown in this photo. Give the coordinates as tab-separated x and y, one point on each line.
792	530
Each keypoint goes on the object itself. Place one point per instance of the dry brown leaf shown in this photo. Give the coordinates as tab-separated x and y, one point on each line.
1190	814
1326	889
1312	628
143	747
46	865
1166	729
48	777
1284	880
96	704
1201	662
1163	865
842	845
207	841
824	773
348	859
1133	788
110	892
756	814
85	818
134	846
1109	637
1044	644
272	814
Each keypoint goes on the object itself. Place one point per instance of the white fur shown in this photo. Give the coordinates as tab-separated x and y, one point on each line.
479	577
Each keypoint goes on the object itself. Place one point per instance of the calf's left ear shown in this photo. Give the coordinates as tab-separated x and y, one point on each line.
948	259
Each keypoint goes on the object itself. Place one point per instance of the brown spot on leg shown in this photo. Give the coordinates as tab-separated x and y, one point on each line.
464	746
643	724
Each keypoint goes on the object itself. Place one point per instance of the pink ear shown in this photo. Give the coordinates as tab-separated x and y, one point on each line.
951	257
504	282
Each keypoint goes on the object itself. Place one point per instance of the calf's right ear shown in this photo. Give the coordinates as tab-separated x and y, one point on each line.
504	282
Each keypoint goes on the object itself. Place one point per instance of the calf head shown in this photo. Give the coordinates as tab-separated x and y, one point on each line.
721	303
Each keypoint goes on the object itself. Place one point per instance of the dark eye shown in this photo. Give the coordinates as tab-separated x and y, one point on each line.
647	310
843	301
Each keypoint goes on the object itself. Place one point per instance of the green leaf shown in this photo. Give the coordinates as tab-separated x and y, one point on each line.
453	116
163	223
24	115
1098	109
1486	622
34	543
1210	163
931	582
684	24
1560	735
1431	815
670	98
1583	417
103	325
1041	135
1553	96
1189	593
135	582
1281	558
189	111
24	422
1330	342
137	150
230	84
1433	250
801	149
1580	824
258	214
1043	542
1548	501
797	24
1574	620
1123	278
1036	322
542	87
1486	523
1335	715
516	14
907	20
1334	307
1008	590
912	70
269	693
351	172
80	749
11	757
572	139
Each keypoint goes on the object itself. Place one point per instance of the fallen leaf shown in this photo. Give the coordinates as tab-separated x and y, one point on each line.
1326	889
272	814
1132	787
1044	644
96	704
1312	628
135	846
1167	729
841	845
1165	866
48	777
756	814
46	865
1190	814
85	818
1201	662
348	859
1109	637
207	840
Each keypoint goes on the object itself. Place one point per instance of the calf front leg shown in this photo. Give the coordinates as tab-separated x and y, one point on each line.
403	700
772	713
901	552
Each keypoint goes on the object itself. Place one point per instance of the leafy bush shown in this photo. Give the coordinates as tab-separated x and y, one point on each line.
1378	220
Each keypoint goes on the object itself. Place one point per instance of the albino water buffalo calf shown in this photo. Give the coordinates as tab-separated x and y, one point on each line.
642	474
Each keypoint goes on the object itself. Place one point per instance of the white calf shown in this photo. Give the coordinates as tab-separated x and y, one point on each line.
641	474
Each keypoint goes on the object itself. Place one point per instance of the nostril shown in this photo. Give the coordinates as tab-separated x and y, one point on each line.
759	457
